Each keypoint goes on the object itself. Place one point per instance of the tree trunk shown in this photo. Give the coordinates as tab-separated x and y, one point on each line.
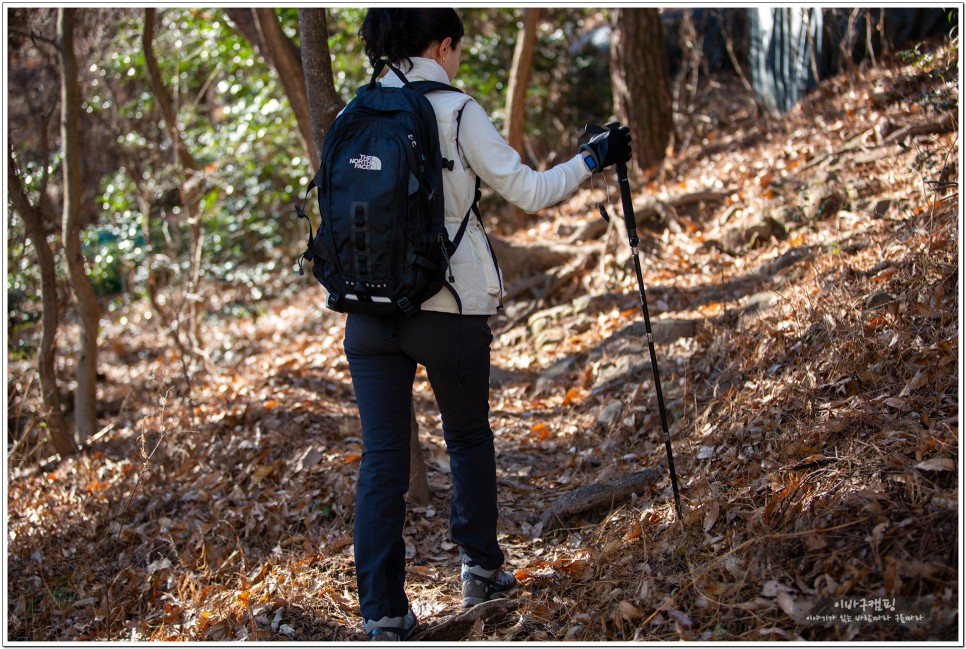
192	183
164	97
640	78
324	102
247	25
520	78
63	442
418	493
85	395
285	58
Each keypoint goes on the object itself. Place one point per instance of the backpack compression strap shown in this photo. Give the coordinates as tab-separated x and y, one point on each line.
300	212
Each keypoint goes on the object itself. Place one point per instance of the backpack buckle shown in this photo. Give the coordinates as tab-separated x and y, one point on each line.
406	306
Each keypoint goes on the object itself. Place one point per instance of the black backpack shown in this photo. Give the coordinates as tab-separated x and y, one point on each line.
382	248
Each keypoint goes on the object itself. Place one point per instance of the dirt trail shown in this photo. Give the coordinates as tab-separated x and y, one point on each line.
807	330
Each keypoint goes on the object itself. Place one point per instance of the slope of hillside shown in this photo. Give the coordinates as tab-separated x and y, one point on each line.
803	275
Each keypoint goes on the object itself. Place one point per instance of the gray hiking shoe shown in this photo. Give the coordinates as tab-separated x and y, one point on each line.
481	585
391	629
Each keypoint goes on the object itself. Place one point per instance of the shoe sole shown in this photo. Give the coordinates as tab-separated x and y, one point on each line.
406	637
470	602
397	639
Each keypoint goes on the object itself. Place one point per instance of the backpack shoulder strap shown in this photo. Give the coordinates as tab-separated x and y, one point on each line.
427	87
477	194
459	122
474	209
377	70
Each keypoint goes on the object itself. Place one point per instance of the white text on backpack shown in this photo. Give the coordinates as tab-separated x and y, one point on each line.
367	162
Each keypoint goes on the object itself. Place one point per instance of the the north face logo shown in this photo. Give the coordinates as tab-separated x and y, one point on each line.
367	162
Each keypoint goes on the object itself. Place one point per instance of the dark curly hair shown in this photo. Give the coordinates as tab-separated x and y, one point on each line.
397	34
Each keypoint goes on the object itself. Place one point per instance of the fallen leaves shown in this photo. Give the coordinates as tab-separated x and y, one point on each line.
711	516
541	431
816	440
628	611
261	472
937	464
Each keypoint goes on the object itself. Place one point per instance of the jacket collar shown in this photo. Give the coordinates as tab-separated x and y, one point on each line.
423	69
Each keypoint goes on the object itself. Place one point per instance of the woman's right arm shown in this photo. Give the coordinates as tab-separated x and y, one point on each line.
500	167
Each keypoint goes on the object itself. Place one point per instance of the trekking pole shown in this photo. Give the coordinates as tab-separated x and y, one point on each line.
631	224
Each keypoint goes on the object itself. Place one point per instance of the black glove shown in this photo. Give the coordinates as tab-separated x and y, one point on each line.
607	148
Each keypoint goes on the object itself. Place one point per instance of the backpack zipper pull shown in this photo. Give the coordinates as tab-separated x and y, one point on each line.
419	154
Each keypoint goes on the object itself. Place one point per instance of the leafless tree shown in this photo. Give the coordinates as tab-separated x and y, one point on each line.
85	395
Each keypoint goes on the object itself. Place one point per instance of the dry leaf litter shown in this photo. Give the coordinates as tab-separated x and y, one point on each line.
808	338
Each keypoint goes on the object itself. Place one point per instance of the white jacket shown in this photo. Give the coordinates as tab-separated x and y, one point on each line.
483	151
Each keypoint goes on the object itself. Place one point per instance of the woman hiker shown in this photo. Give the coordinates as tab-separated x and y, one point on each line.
452	344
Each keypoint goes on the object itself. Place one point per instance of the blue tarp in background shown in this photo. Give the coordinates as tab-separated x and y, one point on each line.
784	48
791	49
787	50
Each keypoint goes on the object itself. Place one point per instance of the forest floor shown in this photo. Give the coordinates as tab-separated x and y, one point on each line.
806	320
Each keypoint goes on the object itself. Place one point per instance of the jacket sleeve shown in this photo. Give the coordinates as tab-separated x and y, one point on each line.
500	167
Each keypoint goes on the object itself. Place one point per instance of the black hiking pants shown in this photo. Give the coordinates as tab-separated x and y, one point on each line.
383	354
